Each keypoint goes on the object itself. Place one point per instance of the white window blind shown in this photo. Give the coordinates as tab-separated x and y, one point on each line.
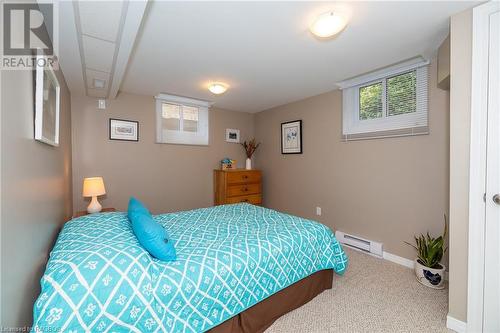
385	103
181	120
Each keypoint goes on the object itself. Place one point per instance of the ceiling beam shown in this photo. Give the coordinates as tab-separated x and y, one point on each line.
135	13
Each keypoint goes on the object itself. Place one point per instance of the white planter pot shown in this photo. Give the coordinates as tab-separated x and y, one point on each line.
248	164
430	277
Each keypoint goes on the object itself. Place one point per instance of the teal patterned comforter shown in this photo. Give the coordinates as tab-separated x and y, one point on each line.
230	257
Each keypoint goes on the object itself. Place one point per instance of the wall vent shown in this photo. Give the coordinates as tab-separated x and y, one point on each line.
365	245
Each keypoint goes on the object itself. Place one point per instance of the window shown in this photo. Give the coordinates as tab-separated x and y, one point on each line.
370	101
190	117
181	120
388	102
171	116
179	117
402	94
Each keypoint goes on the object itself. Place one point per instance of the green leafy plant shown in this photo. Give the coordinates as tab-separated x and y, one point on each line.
250	147
430	250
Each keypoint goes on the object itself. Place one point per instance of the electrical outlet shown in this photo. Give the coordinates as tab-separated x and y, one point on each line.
318	211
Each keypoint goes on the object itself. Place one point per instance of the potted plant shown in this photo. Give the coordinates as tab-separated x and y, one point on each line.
428	269
250	148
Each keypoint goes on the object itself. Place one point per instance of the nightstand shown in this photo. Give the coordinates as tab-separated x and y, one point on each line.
84	212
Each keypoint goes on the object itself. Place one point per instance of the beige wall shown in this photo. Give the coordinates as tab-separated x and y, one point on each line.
460	107
166	177
443	63
385	190
36	195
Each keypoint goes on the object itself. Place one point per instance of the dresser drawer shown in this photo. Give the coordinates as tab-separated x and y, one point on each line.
243	189
243	177
255	199
238	185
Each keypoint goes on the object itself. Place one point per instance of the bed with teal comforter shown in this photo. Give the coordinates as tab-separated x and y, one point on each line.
229	258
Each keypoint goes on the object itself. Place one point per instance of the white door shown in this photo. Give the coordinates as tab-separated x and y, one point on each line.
491	314
483	295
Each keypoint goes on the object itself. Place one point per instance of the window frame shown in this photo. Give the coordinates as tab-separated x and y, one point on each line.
414	123
200	137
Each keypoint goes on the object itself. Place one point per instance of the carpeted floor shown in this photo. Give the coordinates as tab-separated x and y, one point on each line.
374	295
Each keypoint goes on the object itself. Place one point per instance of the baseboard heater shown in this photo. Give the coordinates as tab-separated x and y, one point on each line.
365	245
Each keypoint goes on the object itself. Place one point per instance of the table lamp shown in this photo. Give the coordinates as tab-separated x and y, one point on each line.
93	187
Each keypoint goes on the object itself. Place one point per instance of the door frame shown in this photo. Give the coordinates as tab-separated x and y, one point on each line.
477	171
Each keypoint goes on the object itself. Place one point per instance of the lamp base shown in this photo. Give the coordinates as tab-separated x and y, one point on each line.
94	206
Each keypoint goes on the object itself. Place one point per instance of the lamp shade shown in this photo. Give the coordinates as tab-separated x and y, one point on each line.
93	186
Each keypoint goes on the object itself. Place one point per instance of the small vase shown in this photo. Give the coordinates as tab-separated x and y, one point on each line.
248	164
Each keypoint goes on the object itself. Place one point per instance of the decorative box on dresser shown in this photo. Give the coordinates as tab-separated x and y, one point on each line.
237	185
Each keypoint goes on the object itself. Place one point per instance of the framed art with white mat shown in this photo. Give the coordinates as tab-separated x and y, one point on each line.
291	137
232	135
47	100
123	130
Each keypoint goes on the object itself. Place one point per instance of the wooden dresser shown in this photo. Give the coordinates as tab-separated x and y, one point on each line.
238	185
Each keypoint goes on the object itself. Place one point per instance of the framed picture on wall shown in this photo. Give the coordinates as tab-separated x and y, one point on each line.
123	130
232	135
291	137
47	100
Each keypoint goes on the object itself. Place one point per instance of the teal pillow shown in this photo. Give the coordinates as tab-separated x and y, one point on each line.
135	207
150	234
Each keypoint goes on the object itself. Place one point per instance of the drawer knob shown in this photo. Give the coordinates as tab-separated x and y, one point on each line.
245	177
245	189
244	200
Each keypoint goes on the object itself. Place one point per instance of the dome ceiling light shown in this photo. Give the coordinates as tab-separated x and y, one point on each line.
328	24
217	88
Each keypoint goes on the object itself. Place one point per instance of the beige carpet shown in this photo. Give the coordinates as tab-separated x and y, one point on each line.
374	295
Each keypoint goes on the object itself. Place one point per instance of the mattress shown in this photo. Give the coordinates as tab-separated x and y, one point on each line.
229	258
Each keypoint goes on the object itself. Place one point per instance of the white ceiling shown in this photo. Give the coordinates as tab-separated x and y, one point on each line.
263	50
98	43
98	36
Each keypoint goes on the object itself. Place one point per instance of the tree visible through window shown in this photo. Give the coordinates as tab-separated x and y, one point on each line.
402	94
391	101
370	101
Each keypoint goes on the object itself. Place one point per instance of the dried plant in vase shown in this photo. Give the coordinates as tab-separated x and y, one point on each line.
250	148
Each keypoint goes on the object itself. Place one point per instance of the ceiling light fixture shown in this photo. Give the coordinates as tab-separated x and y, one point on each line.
217	88
328	24
99	84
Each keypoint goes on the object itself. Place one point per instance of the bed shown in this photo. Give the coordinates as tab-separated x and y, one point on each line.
232	260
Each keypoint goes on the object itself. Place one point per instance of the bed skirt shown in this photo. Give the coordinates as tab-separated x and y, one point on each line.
259	317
